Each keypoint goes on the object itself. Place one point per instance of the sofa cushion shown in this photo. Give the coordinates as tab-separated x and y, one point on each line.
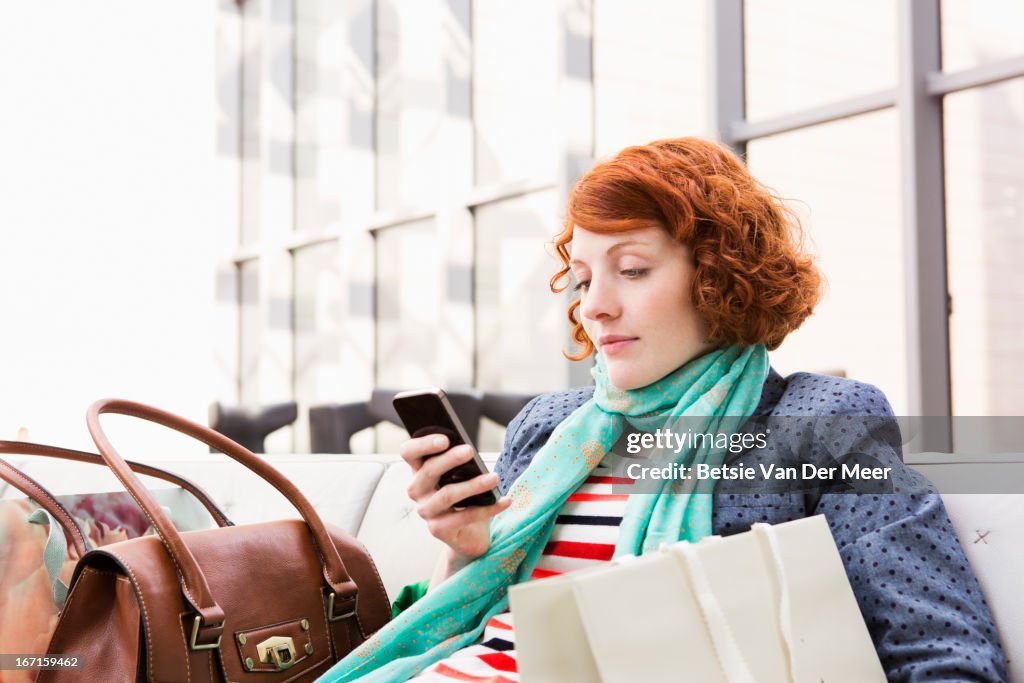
338	486
397	538
989	527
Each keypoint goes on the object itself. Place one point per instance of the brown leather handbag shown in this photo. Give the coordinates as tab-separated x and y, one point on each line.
273	602
33	567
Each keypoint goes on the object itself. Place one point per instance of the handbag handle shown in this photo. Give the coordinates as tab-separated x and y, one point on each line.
210	620
32	488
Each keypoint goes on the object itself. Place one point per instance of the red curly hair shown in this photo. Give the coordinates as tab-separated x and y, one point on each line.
753	282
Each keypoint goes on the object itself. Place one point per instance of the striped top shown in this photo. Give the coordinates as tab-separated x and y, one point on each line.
584	534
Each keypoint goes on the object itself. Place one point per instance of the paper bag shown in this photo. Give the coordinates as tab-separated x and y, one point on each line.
769	605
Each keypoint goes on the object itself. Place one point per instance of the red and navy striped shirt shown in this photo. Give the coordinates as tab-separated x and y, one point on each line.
584	534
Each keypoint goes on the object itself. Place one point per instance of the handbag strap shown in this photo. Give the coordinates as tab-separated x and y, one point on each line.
210	623
34	490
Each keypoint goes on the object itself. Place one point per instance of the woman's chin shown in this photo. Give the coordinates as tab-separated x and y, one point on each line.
628	381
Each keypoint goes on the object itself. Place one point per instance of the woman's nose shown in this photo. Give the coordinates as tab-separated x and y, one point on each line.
599	301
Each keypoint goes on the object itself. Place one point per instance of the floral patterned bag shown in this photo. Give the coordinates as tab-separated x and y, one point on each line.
42	537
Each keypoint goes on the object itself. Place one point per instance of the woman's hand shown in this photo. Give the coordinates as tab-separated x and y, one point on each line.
467	531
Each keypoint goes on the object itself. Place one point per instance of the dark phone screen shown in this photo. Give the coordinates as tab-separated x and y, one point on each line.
425	414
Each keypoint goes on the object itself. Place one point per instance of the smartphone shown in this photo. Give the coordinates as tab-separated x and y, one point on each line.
428	411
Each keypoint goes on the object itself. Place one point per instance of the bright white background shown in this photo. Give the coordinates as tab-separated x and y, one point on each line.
107	215
121	193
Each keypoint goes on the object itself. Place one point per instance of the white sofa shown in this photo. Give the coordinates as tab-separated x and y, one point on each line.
366	496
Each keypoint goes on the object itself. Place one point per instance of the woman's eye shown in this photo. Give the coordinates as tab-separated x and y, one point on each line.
582	284
635	272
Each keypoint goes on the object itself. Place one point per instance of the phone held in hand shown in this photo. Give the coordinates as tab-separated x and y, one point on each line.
428	411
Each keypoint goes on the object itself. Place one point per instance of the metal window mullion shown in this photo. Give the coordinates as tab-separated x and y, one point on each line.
481	196
924	220
726	80
939	83
575	95
742	131
474	150
375	125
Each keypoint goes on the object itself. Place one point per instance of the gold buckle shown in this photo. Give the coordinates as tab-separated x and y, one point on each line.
280	649
331	616
195	633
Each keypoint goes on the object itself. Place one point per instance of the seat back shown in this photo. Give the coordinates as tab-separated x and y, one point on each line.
250	425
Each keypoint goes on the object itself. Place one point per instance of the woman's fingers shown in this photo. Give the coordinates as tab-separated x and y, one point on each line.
459	519
452	494
414	450
425	480
466	531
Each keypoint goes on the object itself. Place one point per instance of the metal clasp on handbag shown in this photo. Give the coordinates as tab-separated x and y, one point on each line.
332	616
277	650
195	635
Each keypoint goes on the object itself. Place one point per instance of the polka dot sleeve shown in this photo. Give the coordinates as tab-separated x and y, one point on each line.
920	599
531	428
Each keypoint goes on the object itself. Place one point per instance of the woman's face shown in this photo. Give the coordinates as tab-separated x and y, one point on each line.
635	303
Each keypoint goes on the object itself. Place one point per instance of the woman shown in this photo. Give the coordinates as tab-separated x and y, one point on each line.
688	272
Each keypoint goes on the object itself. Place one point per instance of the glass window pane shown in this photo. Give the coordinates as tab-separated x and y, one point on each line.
319	107
515	69
409	294
521	325
334	113
985	212
649	71
843	180
317	328
424	132
974	33
251	166
249	332
805	53
409	276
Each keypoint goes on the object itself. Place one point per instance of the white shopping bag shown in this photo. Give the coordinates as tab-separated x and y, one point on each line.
772	604
551	632
553	646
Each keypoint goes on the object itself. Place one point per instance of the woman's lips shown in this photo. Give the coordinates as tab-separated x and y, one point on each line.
613	347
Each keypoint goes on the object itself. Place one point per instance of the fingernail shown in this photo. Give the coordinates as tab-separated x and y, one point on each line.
438	441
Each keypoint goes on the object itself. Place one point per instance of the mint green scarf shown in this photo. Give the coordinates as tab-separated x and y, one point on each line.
724	382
